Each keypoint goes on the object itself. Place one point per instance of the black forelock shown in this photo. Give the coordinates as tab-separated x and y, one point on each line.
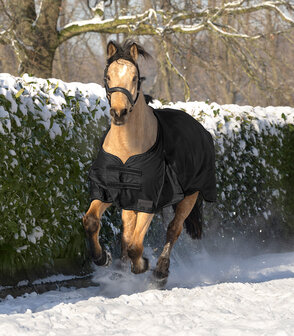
123	51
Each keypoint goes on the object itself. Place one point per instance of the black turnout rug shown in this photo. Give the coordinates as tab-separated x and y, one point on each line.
180	163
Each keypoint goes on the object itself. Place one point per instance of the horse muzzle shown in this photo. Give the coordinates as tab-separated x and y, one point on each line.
118	116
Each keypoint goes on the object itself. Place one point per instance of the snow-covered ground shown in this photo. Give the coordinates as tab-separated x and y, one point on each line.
206	295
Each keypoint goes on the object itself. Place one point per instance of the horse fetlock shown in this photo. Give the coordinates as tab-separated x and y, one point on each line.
140	266
162	268
104	260
91	224
134	251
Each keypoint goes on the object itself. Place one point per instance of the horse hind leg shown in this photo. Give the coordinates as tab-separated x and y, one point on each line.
174	230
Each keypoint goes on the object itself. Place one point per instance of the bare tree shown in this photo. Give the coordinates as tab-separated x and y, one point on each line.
228	35
35	34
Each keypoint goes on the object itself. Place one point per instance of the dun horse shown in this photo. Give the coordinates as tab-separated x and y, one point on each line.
148	159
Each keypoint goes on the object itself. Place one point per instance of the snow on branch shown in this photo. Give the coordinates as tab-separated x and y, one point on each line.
160	23
282	15
5	37
227	34
141	24
97	9
268	5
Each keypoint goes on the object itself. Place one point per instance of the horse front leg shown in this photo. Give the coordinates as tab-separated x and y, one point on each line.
135	228
91	223
174	230
129	218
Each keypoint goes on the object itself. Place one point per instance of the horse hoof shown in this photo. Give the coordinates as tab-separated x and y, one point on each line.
105	259
162	269
135	269
157	283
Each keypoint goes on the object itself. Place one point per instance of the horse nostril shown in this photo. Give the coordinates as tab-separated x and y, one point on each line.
123	112
113	113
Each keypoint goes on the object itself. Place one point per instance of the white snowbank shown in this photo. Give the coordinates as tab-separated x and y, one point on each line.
226	304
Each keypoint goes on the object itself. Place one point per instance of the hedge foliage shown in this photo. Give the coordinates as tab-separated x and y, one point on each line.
49	133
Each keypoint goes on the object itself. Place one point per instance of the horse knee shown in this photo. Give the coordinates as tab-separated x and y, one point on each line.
91	224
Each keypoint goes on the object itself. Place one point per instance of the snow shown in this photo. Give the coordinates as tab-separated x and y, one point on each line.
45	98
206	295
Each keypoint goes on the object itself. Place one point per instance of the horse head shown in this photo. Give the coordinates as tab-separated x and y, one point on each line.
122	79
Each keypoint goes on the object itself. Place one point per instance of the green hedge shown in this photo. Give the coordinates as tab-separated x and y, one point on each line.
49	132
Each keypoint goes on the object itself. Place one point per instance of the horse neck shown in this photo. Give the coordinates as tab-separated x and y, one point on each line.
137	135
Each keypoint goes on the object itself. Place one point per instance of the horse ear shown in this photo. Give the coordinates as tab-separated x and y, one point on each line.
134	52
111	49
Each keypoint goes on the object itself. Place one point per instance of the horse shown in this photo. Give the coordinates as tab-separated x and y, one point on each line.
148	159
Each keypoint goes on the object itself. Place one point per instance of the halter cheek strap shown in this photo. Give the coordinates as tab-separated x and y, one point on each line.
126	92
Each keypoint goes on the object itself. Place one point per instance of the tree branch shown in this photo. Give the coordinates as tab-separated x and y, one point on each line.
97	9
5	37
159	22
224	33
174	68
134	24
5	11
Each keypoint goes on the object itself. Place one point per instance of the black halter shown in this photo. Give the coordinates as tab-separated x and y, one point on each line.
109	90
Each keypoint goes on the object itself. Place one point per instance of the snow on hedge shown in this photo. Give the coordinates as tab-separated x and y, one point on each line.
45	99
49	133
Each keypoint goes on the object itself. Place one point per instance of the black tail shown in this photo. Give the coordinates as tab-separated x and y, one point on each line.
193	222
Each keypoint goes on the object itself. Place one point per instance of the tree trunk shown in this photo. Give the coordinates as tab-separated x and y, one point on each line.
36	36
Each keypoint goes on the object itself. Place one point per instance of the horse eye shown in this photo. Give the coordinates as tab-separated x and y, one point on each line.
135	79
107	78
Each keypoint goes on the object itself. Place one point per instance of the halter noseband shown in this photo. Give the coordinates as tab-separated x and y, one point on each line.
126	92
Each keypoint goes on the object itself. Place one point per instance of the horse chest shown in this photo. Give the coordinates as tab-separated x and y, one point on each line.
124	149
119	151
